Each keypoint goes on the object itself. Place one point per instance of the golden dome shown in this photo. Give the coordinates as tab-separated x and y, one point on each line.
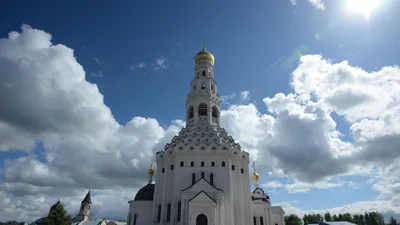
150	171
255	176
204	54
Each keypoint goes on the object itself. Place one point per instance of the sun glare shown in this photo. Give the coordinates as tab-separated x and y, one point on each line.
365	7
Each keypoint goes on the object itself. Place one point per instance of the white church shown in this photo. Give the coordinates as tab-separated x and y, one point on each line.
202	174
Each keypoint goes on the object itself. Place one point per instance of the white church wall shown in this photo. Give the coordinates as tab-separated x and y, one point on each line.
143	212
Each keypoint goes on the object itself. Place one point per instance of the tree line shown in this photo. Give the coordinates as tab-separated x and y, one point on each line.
371	218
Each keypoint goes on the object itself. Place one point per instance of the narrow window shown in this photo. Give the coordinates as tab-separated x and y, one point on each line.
242	170
169	212
191	112
134	219
172	167
202	174
233	167
202	164
182	163
254	220
194	87
162	170
193	178
191	164
261	221
178	217
223	164
203	73
212	179
212	164
203	86
159	214
202	148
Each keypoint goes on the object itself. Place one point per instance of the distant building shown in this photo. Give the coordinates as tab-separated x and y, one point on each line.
83	217
202	174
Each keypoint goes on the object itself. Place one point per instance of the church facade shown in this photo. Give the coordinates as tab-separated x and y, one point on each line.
202	174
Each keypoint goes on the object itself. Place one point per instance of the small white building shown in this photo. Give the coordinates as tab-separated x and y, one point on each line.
202	174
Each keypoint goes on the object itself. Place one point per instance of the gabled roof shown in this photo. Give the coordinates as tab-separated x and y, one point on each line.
198	182
87	199
198	194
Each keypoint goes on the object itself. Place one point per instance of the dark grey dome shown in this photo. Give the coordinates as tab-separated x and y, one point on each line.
146	193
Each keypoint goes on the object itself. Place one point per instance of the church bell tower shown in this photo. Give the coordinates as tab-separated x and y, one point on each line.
203	102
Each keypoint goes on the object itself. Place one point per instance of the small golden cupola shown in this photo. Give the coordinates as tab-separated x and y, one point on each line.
151	170
204	54
255	175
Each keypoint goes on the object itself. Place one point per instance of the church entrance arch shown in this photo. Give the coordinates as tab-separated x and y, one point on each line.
201	219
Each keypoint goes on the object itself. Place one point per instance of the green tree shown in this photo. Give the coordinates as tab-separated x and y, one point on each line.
292	219
312	218
393	221
57	216
335	218
328	217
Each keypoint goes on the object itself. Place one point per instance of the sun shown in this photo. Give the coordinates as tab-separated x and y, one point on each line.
365	7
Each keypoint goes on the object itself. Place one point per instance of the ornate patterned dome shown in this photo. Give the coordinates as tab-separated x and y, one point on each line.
203	135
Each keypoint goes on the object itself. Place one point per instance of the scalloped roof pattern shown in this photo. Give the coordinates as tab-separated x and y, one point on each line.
203	133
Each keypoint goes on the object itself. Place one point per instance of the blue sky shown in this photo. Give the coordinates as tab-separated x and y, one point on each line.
140	56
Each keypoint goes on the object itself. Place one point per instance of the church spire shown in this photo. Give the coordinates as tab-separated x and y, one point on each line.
203	102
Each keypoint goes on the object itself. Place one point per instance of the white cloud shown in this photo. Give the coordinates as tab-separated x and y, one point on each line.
137	66
319	4
98	74
301	187
49	100
161	63
244	95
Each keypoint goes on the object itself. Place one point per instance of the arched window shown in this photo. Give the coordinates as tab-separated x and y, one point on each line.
169	212
254	220
212	164
191	112
224	148
159	214
261	221
181	148
172	167
212	179
191	164
202	164
242	170
134	219
233	167
212	87
202	174
202	109
178	217
203	86
213	148
203	73
162	170
194	87
182	163
223	164
202	148
193	178
215	112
